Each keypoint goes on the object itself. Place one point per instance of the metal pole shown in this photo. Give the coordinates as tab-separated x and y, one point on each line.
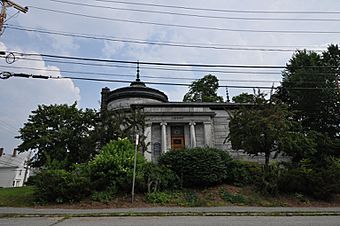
134	170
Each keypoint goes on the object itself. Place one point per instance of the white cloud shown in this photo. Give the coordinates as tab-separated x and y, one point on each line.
19	96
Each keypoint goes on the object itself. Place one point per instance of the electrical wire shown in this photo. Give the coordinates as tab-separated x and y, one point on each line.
130	75
148	63
219	10
143	42
182	25
147	76
157	68
163	63
197	15
24	75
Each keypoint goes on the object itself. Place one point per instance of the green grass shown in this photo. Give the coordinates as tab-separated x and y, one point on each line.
17	197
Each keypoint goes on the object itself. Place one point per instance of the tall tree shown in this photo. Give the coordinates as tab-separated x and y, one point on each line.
309	88
59	133
264	128
203	90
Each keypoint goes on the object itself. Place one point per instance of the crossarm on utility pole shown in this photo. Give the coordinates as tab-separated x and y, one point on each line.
5	4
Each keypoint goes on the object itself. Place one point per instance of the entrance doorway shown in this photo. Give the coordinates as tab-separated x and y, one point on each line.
177	137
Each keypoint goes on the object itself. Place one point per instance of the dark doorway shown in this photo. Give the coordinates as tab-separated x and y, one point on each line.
177	137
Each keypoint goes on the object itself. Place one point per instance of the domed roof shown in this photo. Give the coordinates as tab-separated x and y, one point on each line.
137	89
137	92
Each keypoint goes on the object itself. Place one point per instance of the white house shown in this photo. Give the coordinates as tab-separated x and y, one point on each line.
13	168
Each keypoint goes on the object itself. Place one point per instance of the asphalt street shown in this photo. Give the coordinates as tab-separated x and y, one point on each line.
174	221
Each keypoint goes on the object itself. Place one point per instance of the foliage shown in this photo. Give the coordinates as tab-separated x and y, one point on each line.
261	129
59	185
17	196
232	198
244	98
203	90
113	166
243	173
59	133
317	104
104	196
197	167
117	124
319	181
159	197
159	178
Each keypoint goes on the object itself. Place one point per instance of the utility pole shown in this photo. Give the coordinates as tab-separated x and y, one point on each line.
5	4
134	168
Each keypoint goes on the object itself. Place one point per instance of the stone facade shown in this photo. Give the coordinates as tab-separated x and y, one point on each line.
173	125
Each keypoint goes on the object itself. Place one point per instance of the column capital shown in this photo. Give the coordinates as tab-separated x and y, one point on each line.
163	123
192	123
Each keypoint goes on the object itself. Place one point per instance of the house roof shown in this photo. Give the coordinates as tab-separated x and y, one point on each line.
8	161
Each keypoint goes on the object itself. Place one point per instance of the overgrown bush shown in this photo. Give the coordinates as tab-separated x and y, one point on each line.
113	166
61	186
159	178
242	173
159	197
197	167
318	181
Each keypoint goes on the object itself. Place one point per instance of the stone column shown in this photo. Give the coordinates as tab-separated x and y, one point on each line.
192	134
207	134
163	137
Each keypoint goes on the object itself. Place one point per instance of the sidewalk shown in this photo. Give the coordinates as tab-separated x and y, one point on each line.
171	211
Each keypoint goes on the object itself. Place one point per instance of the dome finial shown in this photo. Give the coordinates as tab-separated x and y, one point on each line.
137	79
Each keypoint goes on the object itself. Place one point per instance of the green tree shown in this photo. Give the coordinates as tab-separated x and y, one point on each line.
59	134
121	124
262	129
203	90
244	98
309	88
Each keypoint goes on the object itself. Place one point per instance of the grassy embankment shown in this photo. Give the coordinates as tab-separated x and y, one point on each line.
17	197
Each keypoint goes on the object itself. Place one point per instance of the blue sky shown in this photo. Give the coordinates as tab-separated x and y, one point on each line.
18	97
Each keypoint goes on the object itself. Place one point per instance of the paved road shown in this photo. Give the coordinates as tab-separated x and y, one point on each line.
11	210
174	221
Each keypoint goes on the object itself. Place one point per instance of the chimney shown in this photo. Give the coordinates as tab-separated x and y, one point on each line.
14	152
1	151
105	93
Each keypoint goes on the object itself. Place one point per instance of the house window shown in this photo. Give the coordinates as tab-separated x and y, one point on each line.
20	172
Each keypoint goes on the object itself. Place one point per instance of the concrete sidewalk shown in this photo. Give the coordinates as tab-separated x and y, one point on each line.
172	211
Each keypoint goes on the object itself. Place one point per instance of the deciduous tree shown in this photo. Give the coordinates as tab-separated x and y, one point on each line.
203	90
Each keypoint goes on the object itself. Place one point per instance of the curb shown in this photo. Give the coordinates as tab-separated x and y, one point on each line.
167	214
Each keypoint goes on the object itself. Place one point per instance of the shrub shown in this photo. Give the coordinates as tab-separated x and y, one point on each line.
104	196
318	181
197	167
243	173
159	197
232	198
113	166
60	186
159	178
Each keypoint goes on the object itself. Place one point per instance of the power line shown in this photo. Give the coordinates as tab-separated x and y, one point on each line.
183	43
183	25
219	10
152	63
198	15
163	63
152	42
148	76
130	75
24	75
157	68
